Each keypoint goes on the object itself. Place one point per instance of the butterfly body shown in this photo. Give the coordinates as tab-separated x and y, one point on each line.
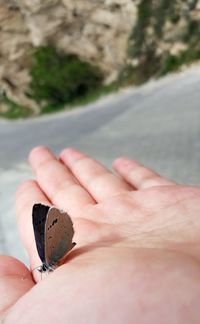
45	268
53	230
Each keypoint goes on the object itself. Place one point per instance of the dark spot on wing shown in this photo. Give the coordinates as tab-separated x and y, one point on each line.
53	223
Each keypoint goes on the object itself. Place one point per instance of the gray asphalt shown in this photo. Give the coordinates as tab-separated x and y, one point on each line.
157	124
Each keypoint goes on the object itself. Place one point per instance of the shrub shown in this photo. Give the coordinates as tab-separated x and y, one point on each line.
13	110
149	33
138	35
172	63
169	64
58	78
192	32
163	10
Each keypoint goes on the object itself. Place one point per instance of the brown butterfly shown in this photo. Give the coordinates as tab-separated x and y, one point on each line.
54	232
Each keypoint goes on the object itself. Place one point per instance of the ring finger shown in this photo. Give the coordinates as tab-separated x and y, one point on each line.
94	177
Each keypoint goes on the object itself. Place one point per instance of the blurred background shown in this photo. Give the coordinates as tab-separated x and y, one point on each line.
110	77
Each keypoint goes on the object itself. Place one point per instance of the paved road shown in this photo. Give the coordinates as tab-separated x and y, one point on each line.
158	124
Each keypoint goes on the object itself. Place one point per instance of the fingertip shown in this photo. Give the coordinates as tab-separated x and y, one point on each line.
122	162
37	152
70	154
65	151
37	149
24	186
10	266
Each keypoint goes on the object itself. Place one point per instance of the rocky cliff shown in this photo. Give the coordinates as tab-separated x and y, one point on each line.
165	36
142	37
97	31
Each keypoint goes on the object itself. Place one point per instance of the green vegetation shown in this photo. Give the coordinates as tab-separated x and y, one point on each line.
13	110
173	63
148	32
59	81
162	10
84	100
63	81
59	78
138	35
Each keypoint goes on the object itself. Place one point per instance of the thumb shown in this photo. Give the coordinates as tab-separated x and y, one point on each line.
15	281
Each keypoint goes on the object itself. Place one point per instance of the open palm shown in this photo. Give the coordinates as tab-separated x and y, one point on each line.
137	258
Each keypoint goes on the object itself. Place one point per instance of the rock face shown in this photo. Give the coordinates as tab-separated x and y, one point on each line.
14	57
97	31
165	29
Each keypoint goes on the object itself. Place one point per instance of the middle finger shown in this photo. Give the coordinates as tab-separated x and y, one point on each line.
97	179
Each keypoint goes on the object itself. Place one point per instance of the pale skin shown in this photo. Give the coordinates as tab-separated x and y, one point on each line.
137	258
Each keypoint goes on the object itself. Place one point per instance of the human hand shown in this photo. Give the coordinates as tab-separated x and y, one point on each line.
137	257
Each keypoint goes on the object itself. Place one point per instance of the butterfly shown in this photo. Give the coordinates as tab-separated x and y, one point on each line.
53	230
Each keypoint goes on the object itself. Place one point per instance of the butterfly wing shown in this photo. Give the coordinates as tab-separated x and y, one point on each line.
39	216
58	235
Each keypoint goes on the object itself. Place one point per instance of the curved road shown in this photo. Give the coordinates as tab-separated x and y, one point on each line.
158	124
